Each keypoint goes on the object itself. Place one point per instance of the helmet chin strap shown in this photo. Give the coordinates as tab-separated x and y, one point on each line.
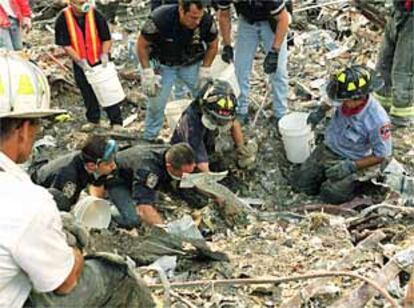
208	123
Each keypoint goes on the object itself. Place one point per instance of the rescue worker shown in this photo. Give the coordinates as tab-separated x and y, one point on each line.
34	254
183	38
358	137
211	113
141	172
84	34
396	64
259	21
14	16
72	173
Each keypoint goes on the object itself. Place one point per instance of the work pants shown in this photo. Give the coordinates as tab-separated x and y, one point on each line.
93	112
310	178
248	38
154	117
101	284
396	64
11	37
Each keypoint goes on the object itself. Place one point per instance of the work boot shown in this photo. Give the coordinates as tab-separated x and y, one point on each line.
90	126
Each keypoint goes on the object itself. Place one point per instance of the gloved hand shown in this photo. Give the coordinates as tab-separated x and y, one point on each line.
270	62
84	65
26	24
227	54
76	234
104	59
204	76
150	82
316	116
246	155
341	170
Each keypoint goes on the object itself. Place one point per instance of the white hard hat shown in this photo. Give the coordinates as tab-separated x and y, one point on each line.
24	89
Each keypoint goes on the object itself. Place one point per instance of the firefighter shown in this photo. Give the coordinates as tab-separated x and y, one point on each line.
358	137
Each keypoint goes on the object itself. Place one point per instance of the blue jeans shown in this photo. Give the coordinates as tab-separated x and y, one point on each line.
120	195
248	38
11	38
154	116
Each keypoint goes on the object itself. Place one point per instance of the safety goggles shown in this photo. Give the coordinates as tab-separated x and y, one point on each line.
111	148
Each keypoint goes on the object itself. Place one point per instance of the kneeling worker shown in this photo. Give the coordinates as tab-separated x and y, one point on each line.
68	175
357	137
141	172
213	111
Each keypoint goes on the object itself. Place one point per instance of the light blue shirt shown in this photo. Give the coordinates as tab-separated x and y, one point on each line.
361	135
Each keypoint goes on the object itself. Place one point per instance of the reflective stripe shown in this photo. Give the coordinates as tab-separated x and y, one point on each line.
93	31
385	101
72	31
402	111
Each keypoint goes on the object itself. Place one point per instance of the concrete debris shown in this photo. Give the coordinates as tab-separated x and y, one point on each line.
282	233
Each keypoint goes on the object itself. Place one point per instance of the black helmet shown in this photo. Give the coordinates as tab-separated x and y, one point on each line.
218	101
353	82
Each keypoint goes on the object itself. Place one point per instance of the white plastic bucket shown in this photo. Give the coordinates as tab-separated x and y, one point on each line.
298	138
224	71
106	84
173	111
93	212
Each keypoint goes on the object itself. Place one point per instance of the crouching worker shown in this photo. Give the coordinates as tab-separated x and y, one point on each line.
141	172
34	254
213	112
67	176
84	34
357	137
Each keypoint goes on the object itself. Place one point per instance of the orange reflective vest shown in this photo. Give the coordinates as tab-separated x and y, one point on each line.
87	46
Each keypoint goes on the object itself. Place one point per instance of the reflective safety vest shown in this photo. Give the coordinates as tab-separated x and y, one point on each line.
87	46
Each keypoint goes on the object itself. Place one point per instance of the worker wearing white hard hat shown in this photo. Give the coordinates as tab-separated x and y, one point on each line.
35	254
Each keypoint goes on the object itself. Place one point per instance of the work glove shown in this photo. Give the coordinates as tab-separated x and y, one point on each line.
26	24
150	82
76	234
204	75
227	54
104	59
246	155
316	116
341	170
84	65
270	62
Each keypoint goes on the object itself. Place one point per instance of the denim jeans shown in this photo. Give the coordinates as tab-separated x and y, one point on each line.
248	38
120	195
11	38
154	117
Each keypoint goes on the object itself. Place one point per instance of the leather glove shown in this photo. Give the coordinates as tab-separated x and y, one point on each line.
26	24
150	82
316	116
246	155
227	54
270	62
76	234
341	170
104	59
204	76
84	65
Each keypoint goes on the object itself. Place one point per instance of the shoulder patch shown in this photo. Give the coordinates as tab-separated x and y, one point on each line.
152	180
69	189
149	27
385	131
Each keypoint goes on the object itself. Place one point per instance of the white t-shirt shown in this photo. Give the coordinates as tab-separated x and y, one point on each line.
5	4
33	249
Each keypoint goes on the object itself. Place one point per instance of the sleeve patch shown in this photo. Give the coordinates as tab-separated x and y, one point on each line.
385	131
69	189
151	181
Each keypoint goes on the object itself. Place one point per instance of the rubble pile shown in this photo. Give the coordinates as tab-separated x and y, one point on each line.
290	233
